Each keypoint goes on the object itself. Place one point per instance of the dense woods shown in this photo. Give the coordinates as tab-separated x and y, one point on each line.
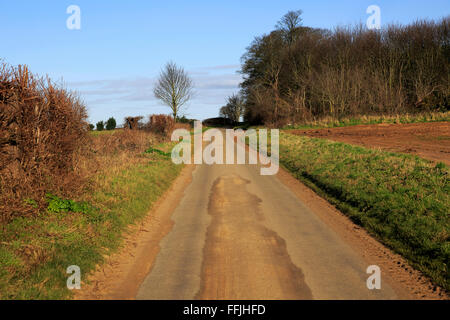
297	73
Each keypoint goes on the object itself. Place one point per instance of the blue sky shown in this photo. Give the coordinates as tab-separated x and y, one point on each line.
115	58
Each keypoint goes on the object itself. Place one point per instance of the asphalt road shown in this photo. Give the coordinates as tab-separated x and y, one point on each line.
240	235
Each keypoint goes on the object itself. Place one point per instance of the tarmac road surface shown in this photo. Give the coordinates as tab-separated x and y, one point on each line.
241	235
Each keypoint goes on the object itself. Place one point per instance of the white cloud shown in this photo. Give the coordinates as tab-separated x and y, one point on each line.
211	89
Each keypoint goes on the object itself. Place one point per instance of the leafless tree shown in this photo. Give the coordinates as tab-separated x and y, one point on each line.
289	24
234	108
174	88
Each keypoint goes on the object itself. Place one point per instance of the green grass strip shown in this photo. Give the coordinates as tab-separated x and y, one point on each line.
401	199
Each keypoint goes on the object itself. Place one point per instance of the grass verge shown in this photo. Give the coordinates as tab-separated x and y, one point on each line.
36	251
401	199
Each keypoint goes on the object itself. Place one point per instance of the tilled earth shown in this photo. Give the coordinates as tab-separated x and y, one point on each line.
427	140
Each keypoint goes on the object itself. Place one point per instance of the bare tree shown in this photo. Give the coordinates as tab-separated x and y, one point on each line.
288	25
174	88
234	108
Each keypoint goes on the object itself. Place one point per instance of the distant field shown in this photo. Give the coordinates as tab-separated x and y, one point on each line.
402	199
428	140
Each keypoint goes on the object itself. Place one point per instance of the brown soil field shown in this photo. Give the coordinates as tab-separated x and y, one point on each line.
427	140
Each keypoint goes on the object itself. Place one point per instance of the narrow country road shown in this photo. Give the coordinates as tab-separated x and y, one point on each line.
240	235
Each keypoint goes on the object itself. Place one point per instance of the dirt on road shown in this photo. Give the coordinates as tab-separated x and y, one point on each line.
236	213
427	140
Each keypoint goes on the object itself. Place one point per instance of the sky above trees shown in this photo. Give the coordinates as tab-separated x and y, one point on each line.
116	56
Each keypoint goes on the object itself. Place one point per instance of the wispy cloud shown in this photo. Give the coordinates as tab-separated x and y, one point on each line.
211	89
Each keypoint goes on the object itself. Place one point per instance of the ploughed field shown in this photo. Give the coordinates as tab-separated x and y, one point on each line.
428	140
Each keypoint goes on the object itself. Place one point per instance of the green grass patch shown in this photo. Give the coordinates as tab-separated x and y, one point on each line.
58	205
36	251
401	199
157	151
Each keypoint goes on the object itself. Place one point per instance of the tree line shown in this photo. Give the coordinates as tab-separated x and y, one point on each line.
297	73
110	124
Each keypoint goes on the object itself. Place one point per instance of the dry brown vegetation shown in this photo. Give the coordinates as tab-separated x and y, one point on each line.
161	124
297	73
113	152
120	184
45	145
66	194
133	123
42	128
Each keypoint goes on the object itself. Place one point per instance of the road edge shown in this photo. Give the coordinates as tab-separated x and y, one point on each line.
409	283
122	273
